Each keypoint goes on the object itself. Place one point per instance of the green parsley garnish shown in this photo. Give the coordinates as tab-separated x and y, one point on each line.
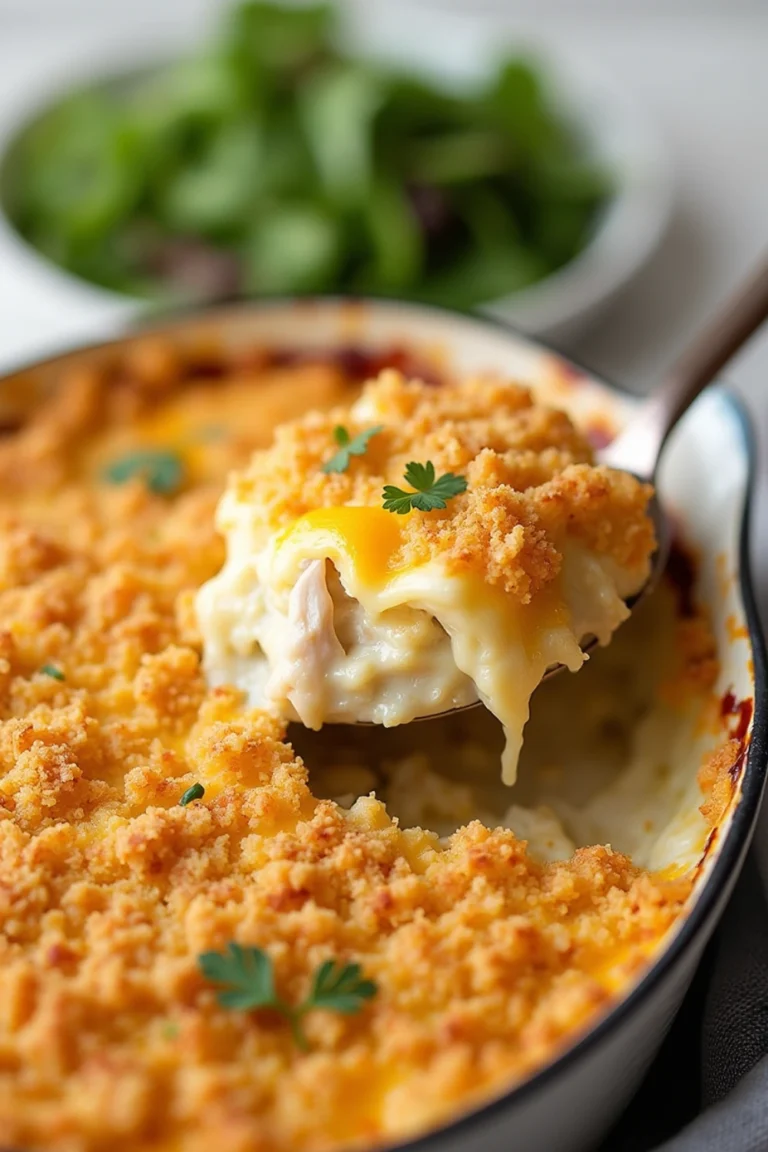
196	792
54	673
161	470
429	492
348	448
249	983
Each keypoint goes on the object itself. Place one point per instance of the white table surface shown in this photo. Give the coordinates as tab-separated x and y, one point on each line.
699	68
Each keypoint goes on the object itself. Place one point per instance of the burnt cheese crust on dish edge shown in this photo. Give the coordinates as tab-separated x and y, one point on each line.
486	958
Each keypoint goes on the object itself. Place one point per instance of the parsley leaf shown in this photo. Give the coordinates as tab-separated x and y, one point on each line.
339	988
430	493
247	974
196	792
247	980
52	671
356	446
161	470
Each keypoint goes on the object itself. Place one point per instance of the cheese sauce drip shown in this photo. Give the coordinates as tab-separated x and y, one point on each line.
501	647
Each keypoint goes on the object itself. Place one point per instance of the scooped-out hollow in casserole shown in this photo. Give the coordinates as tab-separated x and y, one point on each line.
418	550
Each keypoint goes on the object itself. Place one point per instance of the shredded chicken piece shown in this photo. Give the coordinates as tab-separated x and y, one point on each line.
311	647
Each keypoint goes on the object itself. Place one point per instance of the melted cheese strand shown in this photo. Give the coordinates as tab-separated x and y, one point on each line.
503	647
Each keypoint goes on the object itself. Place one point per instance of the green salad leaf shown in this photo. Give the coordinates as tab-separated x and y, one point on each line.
273	160
337	106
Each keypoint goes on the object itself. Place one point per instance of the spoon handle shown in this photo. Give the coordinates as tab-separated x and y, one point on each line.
638	448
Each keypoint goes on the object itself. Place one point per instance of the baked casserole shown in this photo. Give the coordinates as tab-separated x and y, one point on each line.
218	925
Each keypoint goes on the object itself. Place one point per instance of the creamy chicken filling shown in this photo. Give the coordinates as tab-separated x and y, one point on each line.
303	636
333	662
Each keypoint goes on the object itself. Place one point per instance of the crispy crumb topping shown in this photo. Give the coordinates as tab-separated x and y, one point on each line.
530	472
487	962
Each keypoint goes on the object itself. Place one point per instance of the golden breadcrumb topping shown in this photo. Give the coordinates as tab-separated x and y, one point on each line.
486	961
530	474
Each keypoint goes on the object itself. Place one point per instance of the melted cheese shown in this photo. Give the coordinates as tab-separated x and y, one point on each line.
366	540
424	640
503	648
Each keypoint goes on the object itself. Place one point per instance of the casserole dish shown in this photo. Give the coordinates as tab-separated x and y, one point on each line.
591	1080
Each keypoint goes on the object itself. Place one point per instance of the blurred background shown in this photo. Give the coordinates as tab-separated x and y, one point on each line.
595	171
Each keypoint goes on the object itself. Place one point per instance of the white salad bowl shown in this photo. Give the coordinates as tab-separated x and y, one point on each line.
45	307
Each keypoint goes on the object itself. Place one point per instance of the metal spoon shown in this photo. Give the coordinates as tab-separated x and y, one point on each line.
639	447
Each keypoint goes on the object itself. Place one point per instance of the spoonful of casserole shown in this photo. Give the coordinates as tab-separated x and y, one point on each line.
419	551
427	549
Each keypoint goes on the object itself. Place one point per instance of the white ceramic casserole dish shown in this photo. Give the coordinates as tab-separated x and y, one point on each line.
572	1101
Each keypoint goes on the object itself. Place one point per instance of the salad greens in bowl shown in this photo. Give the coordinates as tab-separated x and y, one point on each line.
273	160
